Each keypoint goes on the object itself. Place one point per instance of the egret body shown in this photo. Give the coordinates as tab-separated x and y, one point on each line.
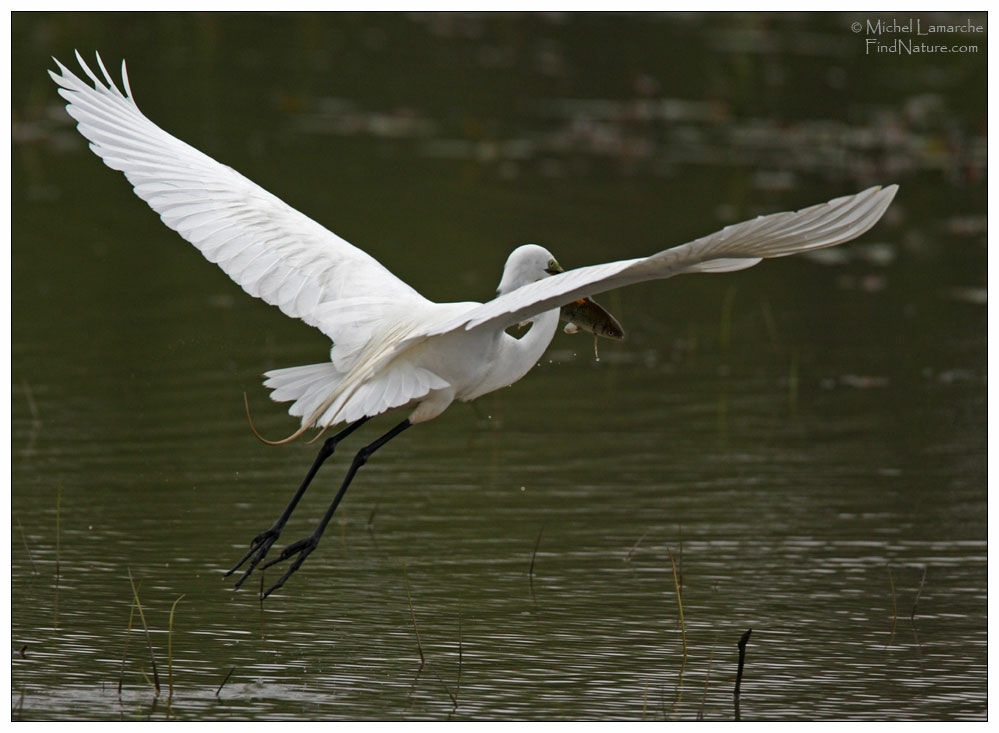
391	347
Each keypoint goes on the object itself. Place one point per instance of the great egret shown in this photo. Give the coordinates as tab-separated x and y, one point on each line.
393	348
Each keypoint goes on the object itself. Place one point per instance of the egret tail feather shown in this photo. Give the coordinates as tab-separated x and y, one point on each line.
253	428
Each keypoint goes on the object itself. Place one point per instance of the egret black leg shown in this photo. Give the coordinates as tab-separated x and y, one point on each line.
304	547
261	544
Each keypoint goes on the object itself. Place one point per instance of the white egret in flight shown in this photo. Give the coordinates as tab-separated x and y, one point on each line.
393	348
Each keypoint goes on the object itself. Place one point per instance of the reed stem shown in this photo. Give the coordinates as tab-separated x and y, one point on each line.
173	608
679	604
145	627
412	614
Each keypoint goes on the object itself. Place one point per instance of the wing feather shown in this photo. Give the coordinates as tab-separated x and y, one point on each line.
270	249
735	247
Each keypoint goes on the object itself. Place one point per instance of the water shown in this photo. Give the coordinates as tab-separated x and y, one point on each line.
806	439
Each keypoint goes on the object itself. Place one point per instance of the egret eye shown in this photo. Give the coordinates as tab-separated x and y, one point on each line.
553	267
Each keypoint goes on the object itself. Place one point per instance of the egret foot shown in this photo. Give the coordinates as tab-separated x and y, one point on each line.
303	548
261	544
259	547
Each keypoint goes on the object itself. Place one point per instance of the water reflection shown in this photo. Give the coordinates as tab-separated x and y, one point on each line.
806	440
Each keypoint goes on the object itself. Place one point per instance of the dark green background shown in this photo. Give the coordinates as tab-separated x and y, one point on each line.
808	438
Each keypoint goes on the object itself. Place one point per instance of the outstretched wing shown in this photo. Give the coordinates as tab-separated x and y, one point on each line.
274	252
735	247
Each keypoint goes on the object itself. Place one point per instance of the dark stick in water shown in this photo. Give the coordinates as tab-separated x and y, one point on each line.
738	675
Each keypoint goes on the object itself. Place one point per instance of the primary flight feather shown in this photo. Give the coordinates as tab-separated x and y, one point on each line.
391	347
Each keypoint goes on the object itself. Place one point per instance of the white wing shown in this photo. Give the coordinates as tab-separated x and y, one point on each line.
735	247
270	249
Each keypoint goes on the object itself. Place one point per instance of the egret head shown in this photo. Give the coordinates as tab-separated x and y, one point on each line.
527	263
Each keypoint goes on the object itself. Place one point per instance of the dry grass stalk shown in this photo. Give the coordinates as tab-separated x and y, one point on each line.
412	614
173	609
145	627
679	604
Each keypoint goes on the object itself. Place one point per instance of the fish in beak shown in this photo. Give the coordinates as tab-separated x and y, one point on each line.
588	315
